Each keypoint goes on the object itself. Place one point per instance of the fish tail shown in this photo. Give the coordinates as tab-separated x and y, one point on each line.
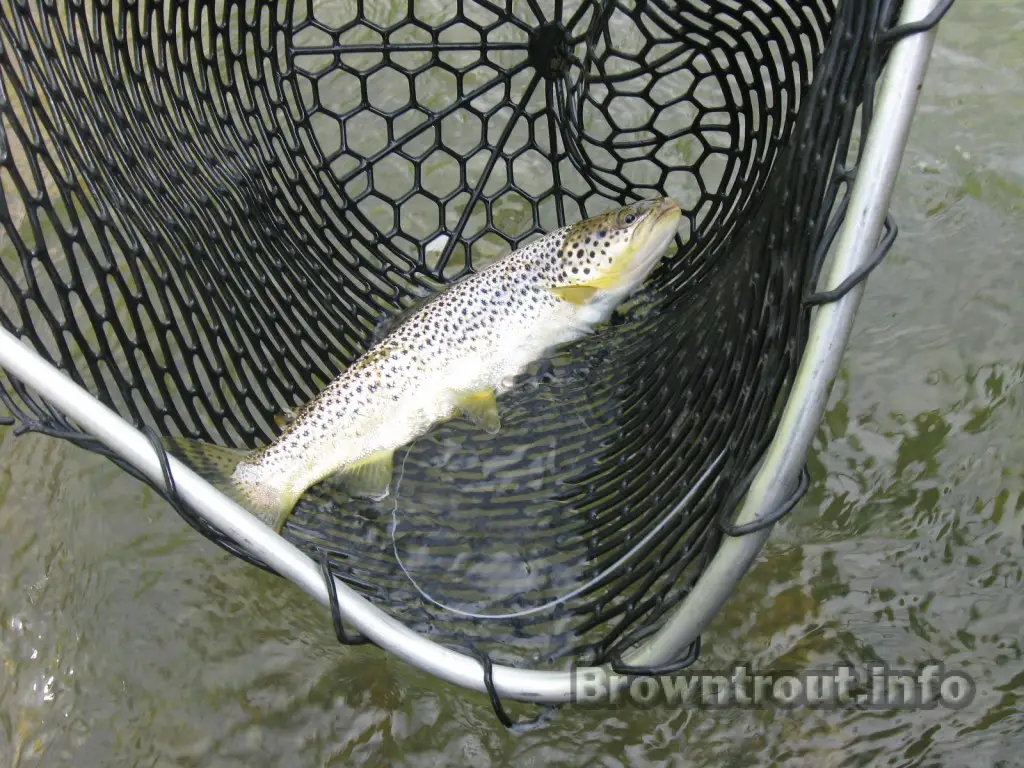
216	464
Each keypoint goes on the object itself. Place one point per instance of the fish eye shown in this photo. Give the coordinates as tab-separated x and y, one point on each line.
630	218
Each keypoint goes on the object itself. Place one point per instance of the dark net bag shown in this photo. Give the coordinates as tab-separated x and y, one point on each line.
211	209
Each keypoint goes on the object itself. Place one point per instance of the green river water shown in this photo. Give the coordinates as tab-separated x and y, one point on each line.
128	640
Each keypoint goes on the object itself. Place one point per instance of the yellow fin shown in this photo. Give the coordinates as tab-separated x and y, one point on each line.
575	294
581	293
482	409
369	478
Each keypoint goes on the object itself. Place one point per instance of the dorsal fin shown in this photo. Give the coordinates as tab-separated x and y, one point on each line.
390	323
285	418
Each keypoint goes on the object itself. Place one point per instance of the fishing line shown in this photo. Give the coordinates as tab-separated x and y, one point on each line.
559	600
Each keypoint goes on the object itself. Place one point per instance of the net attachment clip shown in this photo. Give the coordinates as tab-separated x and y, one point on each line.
689	658
170	492
332	597
928	22
890	231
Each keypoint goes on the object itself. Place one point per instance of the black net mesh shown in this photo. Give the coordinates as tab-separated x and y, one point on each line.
209	207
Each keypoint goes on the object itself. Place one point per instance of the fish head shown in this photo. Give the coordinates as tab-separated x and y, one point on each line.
599	261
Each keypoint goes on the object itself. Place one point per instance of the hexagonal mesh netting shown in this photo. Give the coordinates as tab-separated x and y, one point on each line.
209	206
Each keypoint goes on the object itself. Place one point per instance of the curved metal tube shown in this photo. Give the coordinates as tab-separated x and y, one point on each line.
830	330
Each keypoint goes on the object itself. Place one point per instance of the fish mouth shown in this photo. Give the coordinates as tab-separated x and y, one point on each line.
667	209
662	219
654	235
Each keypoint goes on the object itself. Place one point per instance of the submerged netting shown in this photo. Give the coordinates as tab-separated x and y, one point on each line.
210	209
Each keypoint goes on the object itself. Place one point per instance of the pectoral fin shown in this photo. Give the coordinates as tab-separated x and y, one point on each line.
575	294
580	293
369	478
482	409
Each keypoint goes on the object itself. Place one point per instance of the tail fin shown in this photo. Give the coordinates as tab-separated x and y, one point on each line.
216	464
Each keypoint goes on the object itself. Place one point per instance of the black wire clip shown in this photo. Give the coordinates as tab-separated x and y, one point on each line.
547	713
332	596
925	24
891	230
185	511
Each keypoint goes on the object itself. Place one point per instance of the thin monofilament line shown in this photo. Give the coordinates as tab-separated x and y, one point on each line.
559	600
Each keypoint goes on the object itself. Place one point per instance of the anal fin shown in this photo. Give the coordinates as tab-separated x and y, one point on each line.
369	478
482	409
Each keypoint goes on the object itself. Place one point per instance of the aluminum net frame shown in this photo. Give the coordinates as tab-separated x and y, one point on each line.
200	237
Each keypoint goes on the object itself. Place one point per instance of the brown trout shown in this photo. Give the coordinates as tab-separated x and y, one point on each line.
453	356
